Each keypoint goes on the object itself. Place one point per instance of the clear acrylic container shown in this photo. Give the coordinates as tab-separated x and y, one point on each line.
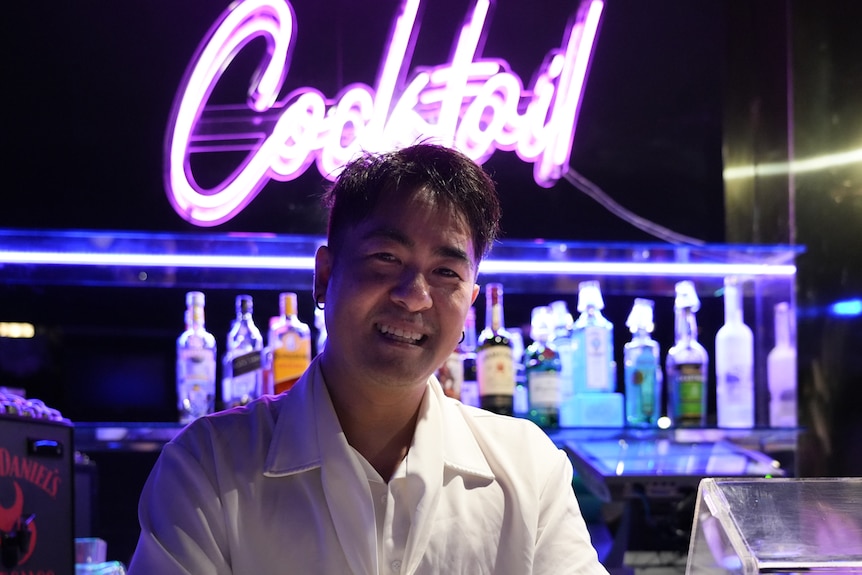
787	525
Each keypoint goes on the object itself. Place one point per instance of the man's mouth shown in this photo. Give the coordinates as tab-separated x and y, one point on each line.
400	334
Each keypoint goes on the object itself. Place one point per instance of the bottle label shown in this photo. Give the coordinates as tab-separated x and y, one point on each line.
196	365
544	388
451	375
290	360
496	371
644	378
691	391
195	383
246	363
598	362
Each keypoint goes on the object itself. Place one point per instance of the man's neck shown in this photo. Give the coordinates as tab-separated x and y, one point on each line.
377	421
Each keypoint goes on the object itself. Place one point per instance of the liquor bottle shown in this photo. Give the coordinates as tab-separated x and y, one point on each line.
544	371
289	342
520	402
196	363
561	339
734	363
642	368
495	368
242	369
467	349
593	368
781	371
687	363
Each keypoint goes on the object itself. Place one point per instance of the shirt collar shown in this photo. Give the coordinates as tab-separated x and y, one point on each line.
295	444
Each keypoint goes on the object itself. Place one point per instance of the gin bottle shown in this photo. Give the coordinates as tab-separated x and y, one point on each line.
196	363
734	363
242	371
687	363
642	368
495	362
561	339
544	371
593	366
467	350
781	371
289	342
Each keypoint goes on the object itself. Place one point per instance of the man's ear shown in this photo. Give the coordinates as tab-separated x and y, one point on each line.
475	294
322	273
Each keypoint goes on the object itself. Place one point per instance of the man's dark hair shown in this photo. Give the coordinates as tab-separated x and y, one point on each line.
451	178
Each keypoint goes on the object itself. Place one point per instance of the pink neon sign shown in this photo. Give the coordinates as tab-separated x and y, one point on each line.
473	103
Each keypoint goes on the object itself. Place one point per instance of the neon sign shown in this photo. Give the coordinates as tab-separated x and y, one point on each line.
473	103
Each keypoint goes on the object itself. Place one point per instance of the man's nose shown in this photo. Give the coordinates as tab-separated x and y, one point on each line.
412	291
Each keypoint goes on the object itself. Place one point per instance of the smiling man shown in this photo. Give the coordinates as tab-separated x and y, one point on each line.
365	466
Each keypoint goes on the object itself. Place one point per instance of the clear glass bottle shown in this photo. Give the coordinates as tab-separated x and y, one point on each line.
593	366
494	362
196	363
544	371
734	363
781	371
687	363
467	349
561	339
289	343
642	368
242	367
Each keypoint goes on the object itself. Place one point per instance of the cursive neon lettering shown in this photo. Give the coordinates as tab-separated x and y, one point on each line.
473	103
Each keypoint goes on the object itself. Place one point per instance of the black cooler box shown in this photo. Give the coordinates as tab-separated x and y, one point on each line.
36	496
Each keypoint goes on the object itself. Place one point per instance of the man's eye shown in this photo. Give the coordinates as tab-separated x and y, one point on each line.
449	273
385	257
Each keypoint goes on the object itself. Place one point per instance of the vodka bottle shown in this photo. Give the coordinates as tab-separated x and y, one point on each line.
196	363
642	368
544	371
734	363
289	341
467	349
495	368
687	363
781	371
520	404
561	339
593	366
242	369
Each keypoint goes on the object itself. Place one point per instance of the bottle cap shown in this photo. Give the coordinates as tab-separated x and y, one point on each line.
686	296
244	304
560	315
641	316
195	298
287	303
541	323
590	294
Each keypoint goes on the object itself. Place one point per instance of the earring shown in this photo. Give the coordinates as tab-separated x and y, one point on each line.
317	303
463	335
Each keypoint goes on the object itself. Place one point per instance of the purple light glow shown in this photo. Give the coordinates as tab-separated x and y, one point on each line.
473	103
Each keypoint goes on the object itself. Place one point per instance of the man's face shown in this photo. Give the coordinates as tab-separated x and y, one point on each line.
397	292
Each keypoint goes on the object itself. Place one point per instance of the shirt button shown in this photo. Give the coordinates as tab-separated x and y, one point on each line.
396	565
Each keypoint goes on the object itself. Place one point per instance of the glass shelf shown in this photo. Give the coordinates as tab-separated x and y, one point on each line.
266	261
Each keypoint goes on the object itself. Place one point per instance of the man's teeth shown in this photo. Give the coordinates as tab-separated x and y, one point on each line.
398	333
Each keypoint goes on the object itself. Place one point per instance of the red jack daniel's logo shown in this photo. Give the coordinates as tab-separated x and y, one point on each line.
15	470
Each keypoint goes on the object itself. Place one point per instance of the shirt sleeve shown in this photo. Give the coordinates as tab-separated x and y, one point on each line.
563	543
182	524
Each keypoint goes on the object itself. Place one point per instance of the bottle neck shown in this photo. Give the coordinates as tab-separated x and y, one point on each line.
196	317
782	327
732	304
686	325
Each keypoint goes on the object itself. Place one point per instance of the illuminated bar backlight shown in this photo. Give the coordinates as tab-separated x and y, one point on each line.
489	266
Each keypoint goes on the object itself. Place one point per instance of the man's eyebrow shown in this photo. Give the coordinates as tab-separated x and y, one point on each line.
399	237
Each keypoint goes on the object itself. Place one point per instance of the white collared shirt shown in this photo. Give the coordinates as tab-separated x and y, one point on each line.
274	488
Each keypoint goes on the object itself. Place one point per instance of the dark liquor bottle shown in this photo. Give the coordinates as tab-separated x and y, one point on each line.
544	371
495	359
242	369
467	348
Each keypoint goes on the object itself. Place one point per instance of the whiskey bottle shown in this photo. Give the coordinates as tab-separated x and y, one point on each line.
593	368
289	344
196	363
495	361
242	371
687	363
